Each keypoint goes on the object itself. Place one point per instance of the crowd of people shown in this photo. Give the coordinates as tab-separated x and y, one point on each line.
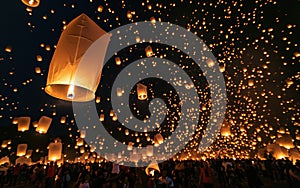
172	174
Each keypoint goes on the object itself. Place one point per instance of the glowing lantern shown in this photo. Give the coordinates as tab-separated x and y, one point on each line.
210	63
130	146
149	150
55	149
148	51
250	82
38	70
66	80
4	160
142	92
111	113
15	121
31	3
100	8
129	14
81	149
35	124
39	58
225	131
115	118
98	100
101	117
158	139
82	134
126	132
4	144
63	120
43	124
28	153
286	141
21	150
119	92
80	142
151	168
23	123
8	49
152	19
118	61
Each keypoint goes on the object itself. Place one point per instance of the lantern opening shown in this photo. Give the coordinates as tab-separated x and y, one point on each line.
67	92
31	3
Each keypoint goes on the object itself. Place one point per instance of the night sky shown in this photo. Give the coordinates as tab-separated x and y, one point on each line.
256	41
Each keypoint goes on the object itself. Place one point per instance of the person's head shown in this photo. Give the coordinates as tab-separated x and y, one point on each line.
164	173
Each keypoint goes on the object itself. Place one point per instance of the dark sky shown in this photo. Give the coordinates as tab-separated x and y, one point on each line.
256	41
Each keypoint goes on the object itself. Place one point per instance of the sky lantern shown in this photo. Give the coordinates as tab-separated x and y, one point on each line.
151	169
28	153
31	3
74	41
142	92
158	139
149	151
21	150
4	144
8	49
23	123
149	51
286	141
98	100
118	61
15	121
101	117
80	142
43	124
82	133
63	119
4	160
225	130
54	152
251	82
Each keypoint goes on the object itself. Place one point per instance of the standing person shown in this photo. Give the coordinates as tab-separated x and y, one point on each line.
252	176
164	181
50	174
206	176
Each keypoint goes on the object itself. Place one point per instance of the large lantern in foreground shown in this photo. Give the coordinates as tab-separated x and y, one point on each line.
21	150
55	150
23	123
43	124
31	3
74	41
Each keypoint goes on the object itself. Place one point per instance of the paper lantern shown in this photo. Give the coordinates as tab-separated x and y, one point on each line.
38	70
250	82
210	63
74	41
158	139
149	51
119	92
142	92
115	118
277	151
23	123
39	58
21	150
8	49
100	8
118	61
28	153
54	152
31	3
285	141
4	144
225	130
4	160
151	168
101	117
81	149
130	146
98	100
63	119
43	124
80	142
82	133
149	151
15	121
